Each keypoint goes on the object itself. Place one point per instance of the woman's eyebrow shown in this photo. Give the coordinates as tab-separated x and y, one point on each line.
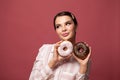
68	21
57	24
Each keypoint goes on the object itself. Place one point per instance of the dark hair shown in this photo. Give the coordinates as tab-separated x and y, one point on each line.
66	13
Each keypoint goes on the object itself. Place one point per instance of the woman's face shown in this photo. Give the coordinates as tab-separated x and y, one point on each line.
65	28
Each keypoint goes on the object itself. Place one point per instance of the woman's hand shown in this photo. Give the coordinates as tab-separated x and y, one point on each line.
56	57
83	63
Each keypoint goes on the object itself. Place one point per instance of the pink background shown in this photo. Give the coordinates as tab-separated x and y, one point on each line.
27	24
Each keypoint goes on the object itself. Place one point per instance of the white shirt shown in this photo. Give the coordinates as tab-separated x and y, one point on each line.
67	70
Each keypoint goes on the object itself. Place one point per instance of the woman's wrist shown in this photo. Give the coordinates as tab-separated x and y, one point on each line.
83	69
51	64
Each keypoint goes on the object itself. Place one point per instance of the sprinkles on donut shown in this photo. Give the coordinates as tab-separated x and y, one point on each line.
65	48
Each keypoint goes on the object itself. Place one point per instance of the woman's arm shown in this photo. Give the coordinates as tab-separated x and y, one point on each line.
84	67
40	70
83	74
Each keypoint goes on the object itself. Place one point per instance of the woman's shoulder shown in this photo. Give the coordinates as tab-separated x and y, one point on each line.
44	50
46	46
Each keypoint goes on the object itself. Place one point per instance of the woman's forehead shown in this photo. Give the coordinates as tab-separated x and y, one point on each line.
63	19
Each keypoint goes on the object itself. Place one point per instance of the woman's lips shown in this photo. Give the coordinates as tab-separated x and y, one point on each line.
65	34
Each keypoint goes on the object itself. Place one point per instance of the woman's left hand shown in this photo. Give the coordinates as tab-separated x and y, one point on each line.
85	61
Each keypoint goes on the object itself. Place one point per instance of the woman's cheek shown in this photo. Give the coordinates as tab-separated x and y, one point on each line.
71	27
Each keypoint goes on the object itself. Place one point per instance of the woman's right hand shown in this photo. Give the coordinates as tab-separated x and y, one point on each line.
56	57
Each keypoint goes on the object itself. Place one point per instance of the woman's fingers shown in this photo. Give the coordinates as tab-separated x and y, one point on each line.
55	54
88	56
57	44
85	60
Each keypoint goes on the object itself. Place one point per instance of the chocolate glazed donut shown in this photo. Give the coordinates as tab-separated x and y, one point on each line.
81	50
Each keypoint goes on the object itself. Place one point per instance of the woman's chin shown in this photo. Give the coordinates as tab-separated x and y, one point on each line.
66	39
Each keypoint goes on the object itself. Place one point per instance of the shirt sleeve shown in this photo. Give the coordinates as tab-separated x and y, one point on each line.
80	76
85	76
40	71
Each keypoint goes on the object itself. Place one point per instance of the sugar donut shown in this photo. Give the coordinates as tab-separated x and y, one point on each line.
65	48
81	50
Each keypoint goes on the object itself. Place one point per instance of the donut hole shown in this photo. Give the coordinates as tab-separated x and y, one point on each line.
65	48
80	50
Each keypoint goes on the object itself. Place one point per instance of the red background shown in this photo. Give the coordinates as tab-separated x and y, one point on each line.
27	24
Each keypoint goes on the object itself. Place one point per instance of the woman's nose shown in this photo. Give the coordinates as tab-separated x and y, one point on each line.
64	28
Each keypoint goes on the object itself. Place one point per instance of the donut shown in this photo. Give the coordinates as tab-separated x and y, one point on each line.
65	48
81	50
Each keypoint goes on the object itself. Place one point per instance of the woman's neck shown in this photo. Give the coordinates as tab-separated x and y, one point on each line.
73	40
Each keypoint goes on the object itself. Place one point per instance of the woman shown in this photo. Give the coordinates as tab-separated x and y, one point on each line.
49	65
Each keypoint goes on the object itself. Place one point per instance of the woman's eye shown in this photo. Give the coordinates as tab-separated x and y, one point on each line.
57	26
68	24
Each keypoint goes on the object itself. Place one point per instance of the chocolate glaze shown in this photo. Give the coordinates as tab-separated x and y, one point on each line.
81	50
